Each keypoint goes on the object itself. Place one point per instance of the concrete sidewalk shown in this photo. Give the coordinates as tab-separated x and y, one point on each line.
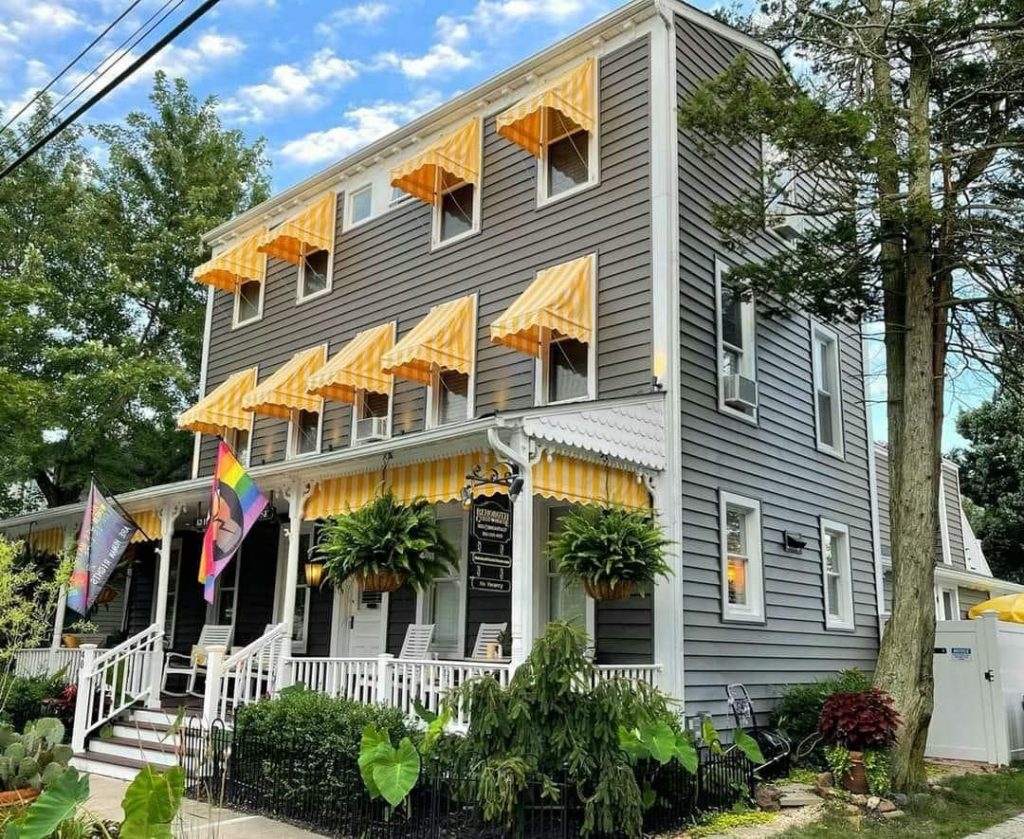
1011	829
196	820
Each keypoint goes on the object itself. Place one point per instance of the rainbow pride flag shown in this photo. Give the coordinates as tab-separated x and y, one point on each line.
235	504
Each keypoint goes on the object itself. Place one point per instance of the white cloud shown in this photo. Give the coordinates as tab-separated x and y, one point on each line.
451	30
438	60
292	86
189	62
24	21
36	73
359	127
362	14
502	12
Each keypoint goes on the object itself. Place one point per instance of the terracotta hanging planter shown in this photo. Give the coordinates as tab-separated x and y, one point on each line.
383	581
18	797
856	780
603	590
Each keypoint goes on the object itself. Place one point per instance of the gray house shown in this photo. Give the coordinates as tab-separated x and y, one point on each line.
525	279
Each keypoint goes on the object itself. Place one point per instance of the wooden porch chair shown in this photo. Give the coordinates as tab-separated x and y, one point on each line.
416	645
193	665
488	633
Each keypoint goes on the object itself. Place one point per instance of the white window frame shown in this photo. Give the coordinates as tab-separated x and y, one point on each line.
754	610
955	598
304	298
212	608
293	431
397	196
231	437
748	313
350	221
357	408
541	551
434	390
593	167
435	227
845	620
235	322
543	361
822	334
425	599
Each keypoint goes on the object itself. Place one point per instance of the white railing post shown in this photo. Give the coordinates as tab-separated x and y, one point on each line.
83	701
168	515
284	656
382	683
58	628
214	679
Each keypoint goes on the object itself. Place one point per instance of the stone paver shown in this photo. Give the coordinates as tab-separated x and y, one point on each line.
196	820
1011	829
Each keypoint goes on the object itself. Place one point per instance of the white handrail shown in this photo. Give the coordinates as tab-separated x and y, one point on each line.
245	676
114	680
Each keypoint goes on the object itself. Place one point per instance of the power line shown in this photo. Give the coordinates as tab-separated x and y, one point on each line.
180	27
69	65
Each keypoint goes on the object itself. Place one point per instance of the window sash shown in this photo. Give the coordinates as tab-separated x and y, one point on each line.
828	412
575	172
741	564
361	205
456	216
837	575
248	302
564	380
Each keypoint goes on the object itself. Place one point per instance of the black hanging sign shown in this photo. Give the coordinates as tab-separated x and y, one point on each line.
490	545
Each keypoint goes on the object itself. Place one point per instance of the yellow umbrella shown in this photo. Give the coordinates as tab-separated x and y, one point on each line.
1009	606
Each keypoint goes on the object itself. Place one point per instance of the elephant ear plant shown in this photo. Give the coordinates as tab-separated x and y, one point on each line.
613	551
386	544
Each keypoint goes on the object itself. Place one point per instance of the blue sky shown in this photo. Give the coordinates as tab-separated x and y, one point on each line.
321	79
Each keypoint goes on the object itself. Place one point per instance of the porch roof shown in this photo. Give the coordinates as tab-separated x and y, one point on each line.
627	432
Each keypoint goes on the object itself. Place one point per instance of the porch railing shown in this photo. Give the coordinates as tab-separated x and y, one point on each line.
349	678
252	673
46	661
634	672
113	680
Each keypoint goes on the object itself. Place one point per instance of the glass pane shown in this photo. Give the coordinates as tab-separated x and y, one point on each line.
567	372
307	426
453	529
736	574
314	276
834	608
445	614
732	317
249	301
453	398
947	605
398	195
826	432
362	204
457	211
736	531
568	162
731	362
567	602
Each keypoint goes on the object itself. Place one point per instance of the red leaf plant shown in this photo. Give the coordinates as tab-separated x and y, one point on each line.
859	721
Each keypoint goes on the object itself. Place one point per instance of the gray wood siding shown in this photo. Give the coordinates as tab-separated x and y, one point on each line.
384	270
955	526
882	486
969	598
775	462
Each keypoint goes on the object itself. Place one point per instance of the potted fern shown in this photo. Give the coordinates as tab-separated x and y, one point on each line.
386	544
613	551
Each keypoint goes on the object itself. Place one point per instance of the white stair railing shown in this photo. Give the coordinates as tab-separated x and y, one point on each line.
114	680
246	676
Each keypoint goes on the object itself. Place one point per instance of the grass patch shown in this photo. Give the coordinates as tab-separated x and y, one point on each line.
723	823
976	802
801	776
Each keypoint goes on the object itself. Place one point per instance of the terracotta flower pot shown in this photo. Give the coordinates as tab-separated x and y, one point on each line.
603	590
856	780
383	581
18	797
70	641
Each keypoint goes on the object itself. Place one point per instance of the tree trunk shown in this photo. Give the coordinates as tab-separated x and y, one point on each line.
915	418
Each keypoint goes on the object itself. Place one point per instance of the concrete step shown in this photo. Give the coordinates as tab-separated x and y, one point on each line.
146	732
107	766
158	754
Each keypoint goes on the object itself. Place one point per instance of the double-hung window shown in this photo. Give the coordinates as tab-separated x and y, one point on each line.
446	597
449	393
567	601
240	441
304	433
741	559
568	160
565	371
836	575
828	401
456	210
371	416
360	205
737	341
314	274
947	604
248	302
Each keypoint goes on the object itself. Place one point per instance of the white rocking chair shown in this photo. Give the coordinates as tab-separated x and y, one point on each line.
193	665
488	633
416	645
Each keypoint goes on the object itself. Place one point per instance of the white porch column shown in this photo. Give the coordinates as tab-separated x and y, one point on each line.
62	606
296	495
168	515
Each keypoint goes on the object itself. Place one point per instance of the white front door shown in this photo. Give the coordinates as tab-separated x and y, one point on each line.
364	621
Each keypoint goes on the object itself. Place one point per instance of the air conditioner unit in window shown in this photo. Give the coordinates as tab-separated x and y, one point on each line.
371	428
783	214
739	392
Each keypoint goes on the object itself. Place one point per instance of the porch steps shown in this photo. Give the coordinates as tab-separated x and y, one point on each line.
138	738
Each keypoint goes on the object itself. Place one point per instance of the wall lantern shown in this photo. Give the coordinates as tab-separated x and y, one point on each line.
314	571
793	543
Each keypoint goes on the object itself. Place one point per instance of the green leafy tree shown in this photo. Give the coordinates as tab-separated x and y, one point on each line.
898	140
101	322
992	479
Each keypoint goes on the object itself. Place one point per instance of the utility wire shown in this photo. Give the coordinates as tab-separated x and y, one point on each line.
96	73
180	27
69	65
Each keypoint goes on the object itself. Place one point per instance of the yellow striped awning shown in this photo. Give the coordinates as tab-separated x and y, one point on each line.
559	300
236	265
356	366
572	96
442	340
150	523
311	229
453	159
285	390
51	541
563	478
222	407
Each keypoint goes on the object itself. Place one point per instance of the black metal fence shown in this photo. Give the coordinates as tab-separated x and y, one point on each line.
324	792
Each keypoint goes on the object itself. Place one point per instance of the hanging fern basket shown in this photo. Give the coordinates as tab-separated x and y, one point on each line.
604	590
382	582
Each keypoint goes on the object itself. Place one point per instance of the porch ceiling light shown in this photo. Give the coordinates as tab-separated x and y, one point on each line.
314	571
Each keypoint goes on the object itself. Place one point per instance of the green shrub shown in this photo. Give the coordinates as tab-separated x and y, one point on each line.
312	739
25	698
798	712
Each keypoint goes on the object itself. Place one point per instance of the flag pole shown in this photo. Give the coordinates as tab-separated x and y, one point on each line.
108	494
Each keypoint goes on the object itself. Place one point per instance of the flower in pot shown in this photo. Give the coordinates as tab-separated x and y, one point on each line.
613	551
80	632
30	761
856	727
386	544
